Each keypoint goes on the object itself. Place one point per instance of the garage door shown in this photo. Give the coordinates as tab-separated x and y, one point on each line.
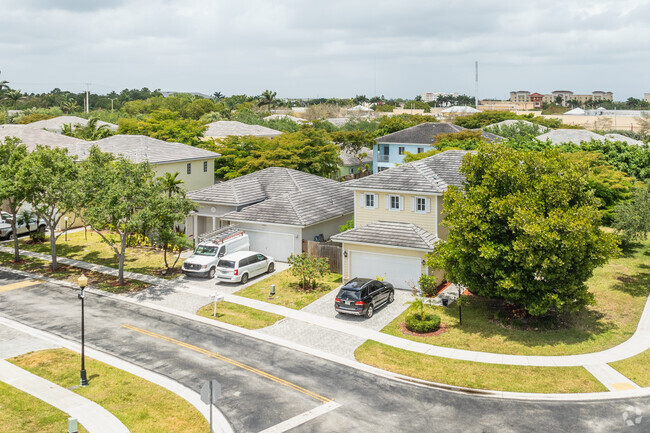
402	272
277	245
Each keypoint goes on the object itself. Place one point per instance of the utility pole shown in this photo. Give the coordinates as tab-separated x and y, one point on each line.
476	88
112	99
87	98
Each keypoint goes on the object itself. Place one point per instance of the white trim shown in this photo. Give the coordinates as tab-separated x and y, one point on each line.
427	207
354	214
428	250
435	217
389	203
398	191
291	235
284	225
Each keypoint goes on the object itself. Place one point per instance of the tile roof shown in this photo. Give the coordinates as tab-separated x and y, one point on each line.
426	133
620	137
390	233
224	128
431	175
281	196
517	122
56	124
577	136
34	136
350	159
140	148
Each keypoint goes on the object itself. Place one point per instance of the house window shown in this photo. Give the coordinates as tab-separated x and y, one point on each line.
369	201
395	202
420	149
205	166
351	170
400	150
420	204
189	168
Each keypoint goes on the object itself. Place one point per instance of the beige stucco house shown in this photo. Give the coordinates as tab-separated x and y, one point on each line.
397	216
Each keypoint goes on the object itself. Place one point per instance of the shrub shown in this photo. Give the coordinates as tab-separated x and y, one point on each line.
37	237
415	323
427	284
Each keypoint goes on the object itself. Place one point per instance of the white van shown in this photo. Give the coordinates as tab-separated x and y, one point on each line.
203	263
239	267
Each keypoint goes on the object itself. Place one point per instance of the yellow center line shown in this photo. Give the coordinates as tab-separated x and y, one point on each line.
19	285
230	361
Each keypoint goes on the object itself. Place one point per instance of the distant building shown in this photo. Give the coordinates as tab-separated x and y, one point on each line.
433	96
561	96
646	97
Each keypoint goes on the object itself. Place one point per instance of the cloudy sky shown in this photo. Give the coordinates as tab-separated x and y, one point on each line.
332	48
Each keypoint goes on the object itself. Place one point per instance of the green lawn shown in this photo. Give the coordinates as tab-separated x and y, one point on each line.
143	260
71	274
478	375
239	315
287	292
621	289
21	412
637	368
142	406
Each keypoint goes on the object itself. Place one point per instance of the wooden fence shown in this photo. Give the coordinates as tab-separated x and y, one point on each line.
329	250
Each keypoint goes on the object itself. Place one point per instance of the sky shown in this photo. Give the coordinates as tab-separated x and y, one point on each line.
332	48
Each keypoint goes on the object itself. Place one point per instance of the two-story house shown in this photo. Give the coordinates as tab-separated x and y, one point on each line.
397	216
391	149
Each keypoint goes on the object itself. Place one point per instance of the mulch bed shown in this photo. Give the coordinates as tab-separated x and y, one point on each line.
441	330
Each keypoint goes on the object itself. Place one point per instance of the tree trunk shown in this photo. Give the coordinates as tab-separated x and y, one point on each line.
55	265
14	230
165	255
178	256
120	272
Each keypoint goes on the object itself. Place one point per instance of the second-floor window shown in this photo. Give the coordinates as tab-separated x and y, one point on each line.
394	202
400	150
369	201
189	168
420	149
420	204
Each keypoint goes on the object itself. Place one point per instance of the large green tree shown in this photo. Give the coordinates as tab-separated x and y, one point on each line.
12	188
632	218
524	228
164	125
50	177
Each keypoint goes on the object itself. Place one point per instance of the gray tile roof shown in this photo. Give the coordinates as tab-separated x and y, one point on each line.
350	159
620	137
577	136
281	196
56	124
140	148
426	133
224	128
34	136
431	175
517	122
390	233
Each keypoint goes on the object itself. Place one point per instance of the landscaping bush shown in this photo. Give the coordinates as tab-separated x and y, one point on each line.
427	285
415	323
37	237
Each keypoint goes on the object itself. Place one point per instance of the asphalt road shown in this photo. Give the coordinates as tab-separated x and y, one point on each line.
264	384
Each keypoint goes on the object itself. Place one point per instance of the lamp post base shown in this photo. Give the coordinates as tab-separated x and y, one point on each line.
84	380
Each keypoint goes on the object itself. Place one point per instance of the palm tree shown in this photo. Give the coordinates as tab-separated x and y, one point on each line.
14	95
4	84
268	98
172	184
217	96
69	106
91	131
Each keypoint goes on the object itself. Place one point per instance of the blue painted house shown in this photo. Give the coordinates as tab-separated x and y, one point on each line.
391	149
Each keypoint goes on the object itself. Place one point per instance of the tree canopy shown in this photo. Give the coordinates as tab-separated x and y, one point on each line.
524	228
164	125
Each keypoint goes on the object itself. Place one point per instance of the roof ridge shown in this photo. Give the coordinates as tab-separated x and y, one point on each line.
293	207
424	175
289	172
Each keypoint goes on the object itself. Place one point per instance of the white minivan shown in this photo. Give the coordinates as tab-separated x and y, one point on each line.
239	267
203	263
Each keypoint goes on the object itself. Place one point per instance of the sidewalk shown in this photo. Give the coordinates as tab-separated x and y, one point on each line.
92	416
636	344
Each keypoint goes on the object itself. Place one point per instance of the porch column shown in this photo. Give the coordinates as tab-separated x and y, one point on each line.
214	223
195	227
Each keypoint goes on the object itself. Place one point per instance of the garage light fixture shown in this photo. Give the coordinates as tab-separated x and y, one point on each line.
345	254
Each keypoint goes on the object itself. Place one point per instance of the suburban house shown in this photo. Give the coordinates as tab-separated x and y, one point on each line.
56	124
226	128
391	149
353	163
277	207
397	216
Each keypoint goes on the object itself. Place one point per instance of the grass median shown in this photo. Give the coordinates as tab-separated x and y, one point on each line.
142	406
477	375
21	412
621	289
636	368
70	274
239	315
287	292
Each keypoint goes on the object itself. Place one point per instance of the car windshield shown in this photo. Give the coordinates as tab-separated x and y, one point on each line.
349	294
226	264
204	250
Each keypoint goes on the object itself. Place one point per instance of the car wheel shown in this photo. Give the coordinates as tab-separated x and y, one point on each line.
244	279
370	311
41	229
271	267
211	272
10	236
391	297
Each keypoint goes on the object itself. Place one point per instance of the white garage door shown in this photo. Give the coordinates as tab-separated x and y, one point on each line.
277	245
402	272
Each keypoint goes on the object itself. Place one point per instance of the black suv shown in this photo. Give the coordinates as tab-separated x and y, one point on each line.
361	296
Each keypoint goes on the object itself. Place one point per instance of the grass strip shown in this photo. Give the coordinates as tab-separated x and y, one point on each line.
239	315
21	412
636	368
142	406
477	375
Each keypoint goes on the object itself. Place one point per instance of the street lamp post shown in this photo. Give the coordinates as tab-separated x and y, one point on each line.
82	281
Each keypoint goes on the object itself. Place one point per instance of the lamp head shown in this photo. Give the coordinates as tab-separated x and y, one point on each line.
82	281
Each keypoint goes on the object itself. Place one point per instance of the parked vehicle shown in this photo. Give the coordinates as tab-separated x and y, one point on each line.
203	263
362	296
21	227
239	267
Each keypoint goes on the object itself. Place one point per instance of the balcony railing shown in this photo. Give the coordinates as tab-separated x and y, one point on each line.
383	158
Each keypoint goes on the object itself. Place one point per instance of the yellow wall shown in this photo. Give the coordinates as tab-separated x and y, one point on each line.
442	230
198	179
426	221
